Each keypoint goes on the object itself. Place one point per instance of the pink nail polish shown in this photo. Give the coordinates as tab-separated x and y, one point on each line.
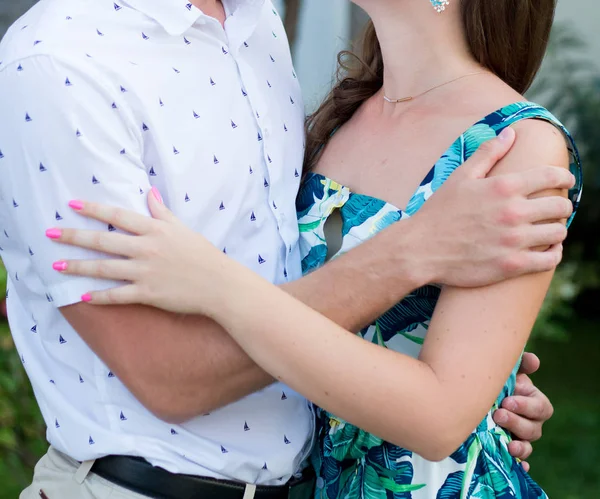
54	233
76	205
157	195
86	298
60	266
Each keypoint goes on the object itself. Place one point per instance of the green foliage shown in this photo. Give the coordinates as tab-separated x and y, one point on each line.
22	430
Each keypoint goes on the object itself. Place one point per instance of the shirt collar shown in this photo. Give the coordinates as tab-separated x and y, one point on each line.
177	16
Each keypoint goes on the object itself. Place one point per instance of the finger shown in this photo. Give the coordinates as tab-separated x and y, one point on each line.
530	363
543	178
535	406
520	449
524	386
540	235
533	262
520	427
127	220
118	270
525	465
157	207
105	242
547	208
123	295
489	154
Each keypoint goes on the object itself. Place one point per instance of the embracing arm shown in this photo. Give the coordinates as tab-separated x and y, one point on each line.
432	403
152	351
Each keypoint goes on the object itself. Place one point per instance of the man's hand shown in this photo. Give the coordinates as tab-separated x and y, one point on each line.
525	412
477	231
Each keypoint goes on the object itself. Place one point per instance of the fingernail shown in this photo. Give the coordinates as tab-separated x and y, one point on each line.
54	233
76	205
157	195
510	404
60	266
506	134
86	297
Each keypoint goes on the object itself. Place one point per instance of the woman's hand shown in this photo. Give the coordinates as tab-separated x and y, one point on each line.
166	264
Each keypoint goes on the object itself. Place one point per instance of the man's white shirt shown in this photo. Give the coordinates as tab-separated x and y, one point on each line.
101	100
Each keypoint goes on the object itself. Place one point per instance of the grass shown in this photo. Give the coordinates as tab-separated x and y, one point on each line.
565	461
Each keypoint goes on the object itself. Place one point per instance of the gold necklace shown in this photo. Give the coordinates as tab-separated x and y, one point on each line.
406	99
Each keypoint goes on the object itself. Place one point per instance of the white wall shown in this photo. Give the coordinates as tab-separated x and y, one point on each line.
584	15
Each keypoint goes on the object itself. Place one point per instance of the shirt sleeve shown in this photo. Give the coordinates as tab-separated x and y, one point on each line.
65	134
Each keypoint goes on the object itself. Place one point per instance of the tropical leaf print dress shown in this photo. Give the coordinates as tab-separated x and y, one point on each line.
353	464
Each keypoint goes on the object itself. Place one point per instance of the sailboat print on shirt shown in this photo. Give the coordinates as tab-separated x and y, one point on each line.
34	329
221	206
215	160
111	228
27	117
246	427
252	217
68	83
57	216
286	441
117	7
56	425
95	180
145	36
186	41
152	173
61	340
187	198
42	168
91	441
122	417
261	260
233	125
173	432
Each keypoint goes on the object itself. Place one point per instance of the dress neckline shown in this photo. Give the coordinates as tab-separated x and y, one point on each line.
430	173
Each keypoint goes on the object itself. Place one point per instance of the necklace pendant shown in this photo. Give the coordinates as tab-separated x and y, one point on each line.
440	5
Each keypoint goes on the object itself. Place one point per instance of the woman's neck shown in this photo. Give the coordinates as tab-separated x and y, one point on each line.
421	48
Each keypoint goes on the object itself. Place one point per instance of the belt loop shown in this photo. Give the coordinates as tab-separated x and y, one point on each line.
250	491
83	471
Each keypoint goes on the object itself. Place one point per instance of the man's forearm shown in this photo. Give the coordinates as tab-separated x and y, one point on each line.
356	288
183	366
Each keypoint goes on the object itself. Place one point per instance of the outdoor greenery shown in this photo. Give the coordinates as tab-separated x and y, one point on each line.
566	459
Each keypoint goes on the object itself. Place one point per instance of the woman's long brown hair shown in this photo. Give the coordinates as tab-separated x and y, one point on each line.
507	37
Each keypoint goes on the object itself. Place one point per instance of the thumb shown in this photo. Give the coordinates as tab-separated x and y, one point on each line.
158	210
489	154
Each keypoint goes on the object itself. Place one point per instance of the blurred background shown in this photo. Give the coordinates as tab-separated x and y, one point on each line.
566	462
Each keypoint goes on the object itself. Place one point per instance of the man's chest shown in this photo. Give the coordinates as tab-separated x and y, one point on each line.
220	130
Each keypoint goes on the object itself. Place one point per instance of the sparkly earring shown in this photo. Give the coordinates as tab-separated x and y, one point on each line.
440	5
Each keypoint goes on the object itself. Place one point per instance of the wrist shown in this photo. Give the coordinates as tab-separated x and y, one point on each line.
413	260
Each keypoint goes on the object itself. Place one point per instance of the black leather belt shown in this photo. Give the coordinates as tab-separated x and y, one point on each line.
137	475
